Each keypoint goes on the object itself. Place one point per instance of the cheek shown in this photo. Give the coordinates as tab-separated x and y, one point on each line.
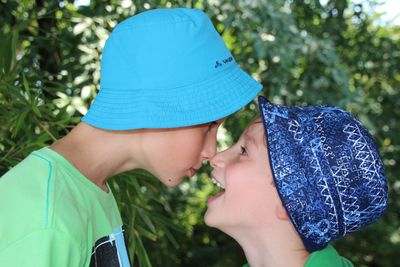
177	152
184	149
190	146
248	194
245	201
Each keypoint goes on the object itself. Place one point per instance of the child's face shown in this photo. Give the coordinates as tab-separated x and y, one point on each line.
175	153
250	196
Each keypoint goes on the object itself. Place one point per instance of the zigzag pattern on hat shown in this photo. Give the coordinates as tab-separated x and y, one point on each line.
327	170
370	172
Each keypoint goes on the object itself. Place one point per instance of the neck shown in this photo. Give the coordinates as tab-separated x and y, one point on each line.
99	154
267	248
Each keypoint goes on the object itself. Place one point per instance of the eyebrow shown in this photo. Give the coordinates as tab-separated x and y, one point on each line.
251	139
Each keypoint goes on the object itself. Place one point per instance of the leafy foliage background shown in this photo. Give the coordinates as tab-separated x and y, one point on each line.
303	52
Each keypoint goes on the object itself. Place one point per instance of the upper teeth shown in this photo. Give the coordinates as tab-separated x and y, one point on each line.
217	183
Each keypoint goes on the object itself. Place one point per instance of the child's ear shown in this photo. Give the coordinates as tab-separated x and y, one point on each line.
281	213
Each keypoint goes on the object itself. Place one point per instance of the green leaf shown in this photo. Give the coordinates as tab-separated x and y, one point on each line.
146	219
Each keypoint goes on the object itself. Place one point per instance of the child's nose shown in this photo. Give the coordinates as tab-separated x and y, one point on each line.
217	161
209	151
210	148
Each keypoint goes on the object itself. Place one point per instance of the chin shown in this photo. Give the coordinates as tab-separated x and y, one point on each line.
209	220
220	222
171	182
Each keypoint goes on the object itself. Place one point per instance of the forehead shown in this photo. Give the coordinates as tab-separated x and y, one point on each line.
255	125
255	129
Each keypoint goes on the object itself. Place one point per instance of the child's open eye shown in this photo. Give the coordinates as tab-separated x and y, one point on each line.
243	151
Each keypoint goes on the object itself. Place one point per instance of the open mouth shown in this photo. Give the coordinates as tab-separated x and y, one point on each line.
215	181
220	187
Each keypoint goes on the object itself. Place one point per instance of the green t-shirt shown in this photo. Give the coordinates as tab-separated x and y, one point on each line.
327	257
52	215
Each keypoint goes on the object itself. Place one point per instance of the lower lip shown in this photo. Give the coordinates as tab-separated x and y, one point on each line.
212	198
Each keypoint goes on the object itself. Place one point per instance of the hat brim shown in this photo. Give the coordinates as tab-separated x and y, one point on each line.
284	167
207	101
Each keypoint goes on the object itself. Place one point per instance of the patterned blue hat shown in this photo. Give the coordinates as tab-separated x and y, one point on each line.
167	68
326	168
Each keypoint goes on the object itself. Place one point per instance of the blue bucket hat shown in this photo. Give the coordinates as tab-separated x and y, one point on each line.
326	168
167	68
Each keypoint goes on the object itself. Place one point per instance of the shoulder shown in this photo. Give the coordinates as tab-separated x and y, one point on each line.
22	188
34	197
327	257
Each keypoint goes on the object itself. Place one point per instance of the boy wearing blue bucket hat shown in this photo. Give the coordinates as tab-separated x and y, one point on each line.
298	178
167	83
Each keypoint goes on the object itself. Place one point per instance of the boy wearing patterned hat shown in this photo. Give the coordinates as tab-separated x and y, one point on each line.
298	178
167	83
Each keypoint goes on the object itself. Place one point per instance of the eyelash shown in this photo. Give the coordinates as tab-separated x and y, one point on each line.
243	151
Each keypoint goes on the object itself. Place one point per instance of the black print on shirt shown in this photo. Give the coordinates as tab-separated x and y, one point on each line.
110	251
105	253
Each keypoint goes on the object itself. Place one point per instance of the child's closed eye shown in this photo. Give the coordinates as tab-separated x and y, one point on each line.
211	125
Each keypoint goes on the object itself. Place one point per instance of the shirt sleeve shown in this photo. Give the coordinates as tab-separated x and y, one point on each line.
44	248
